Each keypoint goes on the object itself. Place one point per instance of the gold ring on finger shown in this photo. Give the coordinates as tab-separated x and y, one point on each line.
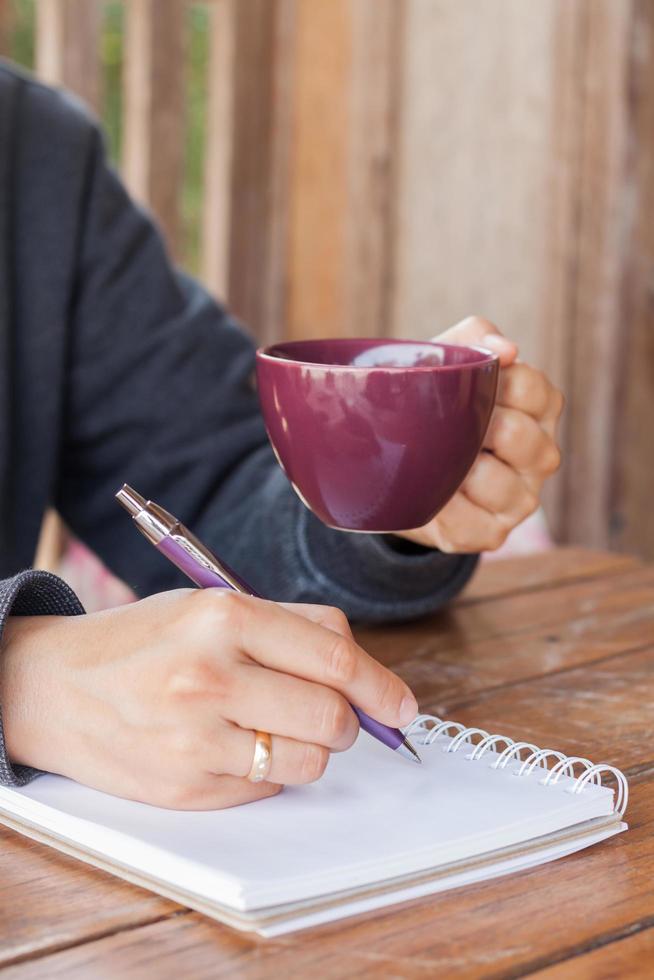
262	758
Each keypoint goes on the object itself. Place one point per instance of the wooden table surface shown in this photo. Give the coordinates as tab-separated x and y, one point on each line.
557	649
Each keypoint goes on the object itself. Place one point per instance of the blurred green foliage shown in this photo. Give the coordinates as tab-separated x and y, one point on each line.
111	53
111	59
21	45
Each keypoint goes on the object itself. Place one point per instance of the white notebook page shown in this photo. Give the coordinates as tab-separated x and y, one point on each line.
373	816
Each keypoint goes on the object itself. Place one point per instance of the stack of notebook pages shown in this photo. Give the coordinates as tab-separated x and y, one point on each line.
374	831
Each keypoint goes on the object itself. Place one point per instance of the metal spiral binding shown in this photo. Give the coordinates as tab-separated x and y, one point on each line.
427	728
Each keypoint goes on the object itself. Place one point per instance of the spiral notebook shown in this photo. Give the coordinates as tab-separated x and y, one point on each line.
376	830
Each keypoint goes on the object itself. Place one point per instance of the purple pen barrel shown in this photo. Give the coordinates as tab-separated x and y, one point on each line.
179	545
202	575
392	737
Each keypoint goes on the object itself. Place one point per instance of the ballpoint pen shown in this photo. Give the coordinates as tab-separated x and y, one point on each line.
187	552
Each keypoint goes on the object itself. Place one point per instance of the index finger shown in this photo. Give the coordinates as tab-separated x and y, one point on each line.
281	640
328	616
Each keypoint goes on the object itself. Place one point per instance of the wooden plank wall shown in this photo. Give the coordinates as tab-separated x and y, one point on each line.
596	337
261	142
632	524
376	167
525	159
153	151
68	45
315	92
216	216
338	249
454	158
472	159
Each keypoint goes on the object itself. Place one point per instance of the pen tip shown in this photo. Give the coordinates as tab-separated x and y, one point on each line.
408	751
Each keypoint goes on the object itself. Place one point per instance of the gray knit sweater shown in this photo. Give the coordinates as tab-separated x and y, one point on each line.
116	367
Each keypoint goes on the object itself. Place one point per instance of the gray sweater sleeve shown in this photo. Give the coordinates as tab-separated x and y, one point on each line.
30	593
160	395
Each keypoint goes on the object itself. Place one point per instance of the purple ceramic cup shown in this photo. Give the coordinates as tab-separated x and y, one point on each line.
376	435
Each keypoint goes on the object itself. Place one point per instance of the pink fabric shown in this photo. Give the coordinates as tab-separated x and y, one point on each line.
95	585
530	536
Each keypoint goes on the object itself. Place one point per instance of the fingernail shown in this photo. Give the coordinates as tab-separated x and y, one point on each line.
408	709
500	344
495	340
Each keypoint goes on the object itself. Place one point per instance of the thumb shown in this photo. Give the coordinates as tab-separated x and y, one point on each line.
476	331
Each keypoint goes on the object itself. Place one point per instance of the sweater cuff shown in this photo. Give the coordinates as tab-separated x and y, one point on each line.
31	593
401	583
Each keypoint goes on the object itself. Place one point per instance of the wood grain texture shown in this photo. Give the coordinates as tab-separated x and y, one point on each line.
605	214
315	95
545	570
599	605
625	958
377	28
346	77
567	660
67	45
317	259
153	145
601	137
49	901
450	662
562	123
486	191
502	928
632	527
570	711
263	101
525	162
473	162
216	211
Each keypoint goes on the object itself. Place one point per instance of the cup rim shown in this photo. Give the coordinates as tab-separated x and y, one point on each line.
264	354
